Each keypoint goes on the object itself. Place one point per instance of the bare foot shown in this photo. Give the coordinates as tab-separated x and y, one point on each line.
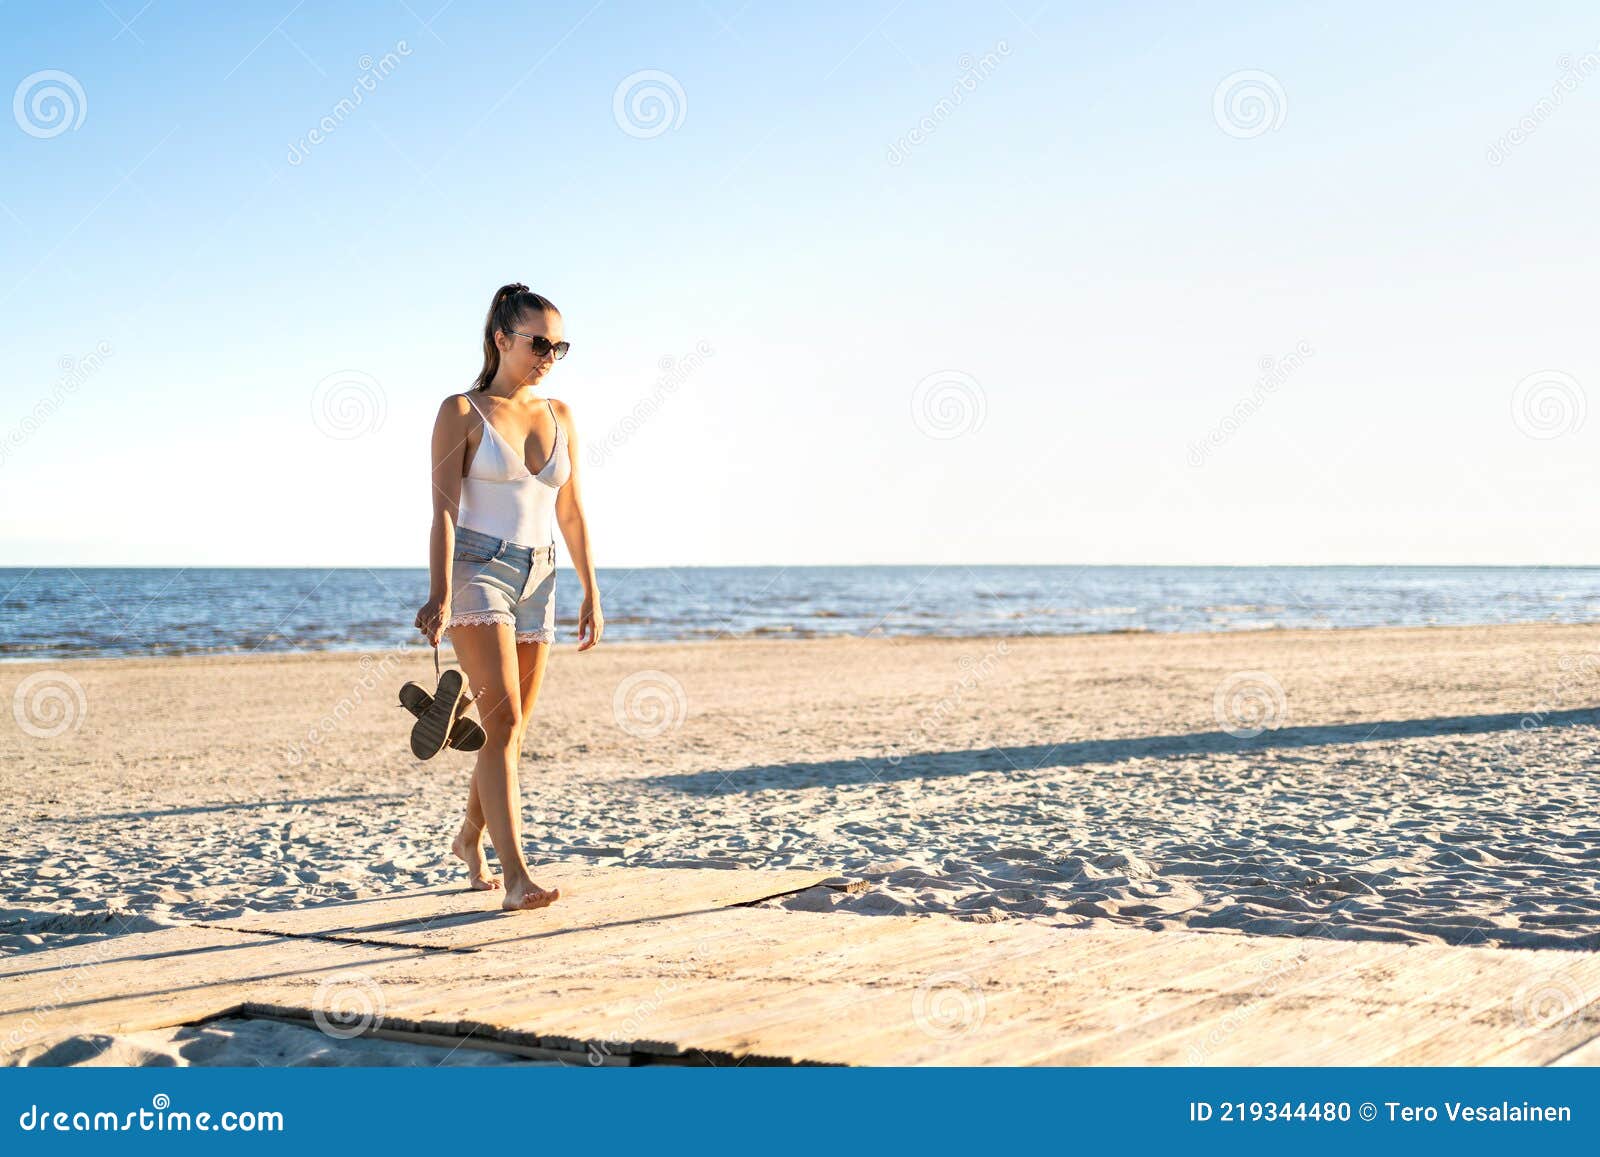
526	895
470	852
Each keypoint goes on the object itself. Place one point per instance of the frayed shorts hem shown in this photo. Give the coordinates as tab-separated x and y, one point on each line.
492	618
496	581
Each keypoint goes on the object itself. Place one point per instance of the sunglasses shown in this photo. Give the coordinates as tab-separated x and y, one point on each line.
543	346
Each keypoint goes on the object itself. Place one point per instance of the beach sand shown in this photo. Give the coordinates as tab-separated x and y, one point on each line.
1426	785
240	1041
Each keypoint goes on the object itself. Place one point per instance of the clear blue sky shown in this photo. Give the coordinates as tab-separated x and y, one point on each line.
1086	262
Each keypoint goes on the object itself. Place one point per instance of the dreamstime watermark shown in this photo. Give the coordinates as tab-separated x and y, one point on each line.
1274	372
74	373
974	71
1572	74
376	673
648	704
948	1005
48	103
1278	970
372	73
160	1117
635	1026
648	103
1249	103
48	704
63	991
674	372
1575	682
948	403
348	404
348	1004
1549	404
974	673
1247	703
1550	1003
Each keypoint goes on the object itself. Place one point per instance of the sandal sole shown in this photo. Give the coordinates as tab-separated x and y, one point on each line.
466	735
433	726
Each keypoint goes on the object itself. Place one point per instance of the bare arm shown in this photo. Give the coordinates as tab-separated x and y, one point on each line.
575	533
448	459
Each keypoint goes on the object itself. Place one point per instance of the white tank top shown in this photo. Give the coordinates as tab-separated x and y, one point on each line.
500	496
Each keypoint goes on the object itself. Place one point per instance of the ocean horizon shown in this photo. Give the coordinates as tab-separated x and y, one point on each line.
85	612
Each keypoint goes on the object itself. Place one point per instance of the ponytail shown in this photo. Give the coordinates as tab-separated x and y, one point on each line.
510	305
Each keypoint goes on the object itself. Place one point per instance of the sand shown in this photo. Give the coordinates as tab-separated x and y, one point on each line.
238	1041
1424	785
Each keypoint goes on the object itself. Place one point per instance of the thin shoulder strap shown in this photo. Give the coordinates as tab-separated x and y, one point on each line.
554	446
488	428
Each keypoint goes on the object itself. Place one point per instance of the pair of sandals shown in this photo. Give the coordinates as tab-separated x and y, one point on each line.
441	719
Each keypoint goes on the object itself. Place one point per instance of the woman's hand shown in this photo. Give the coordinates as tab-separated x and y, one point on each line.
430	619
591	623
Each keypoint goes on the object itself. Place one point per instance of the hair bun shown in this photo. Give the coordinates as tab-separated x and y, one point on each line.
515	287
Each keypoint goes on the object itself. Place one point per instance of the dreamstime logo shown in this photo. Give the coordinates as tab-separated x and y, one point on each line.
973	73
1548	404
1571	75
74	373
948	404
64	990
637	1022
1550	1003
1247	703
48	704
948	1005
47	104
348	1004
1574	684
674	372
648	103
1236	1016
371	73
974	674
1249	103
375	673
649	703
1274	373
348	404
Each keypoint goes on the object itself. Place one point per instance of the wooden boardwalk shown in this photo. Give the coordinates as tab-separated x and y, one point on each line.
669	966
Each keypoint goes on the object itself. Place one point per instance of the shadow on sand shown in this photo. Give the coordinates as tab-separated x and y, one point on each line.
1073	753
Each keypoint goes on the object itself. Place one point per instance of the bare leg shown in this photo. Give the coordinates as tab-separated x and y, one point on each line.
468	844
531	659
488	658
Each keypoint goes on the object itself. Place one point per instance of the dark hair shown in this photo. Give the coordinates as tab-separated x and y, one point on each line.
511	303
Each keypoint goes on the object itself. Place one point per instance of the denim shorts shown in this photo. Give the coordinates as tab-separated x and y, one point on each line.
495	580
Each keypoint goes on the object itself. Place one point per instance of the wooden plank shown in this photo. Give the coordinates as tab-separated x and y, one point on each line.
1383	1009
170	977
131	948
1560	1007
865	1009
1585	1054
645	952
672	988
1172	981
790	986
1278	1006
699	1014
1178	1026
702	980
592	897
1471	1032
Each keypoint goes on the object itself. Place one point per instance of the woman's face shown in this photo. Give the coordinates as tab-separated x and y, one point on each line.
517	358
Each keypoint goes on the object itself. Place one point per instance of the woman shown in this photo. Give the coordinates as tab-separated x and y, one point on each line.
505	475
